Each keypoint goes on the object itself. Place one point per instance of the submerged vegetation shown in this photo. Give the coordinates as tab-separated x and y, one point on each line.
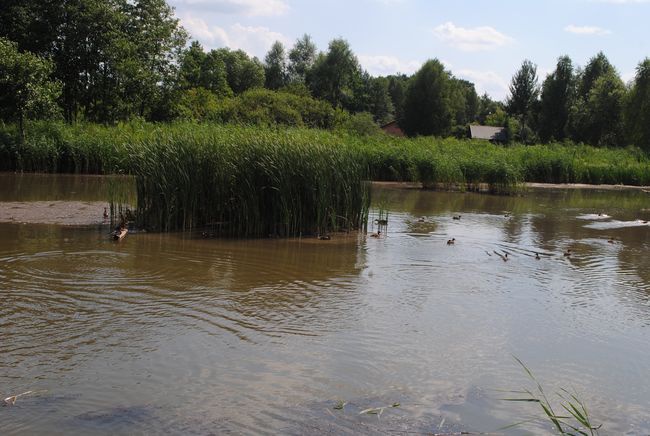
260	181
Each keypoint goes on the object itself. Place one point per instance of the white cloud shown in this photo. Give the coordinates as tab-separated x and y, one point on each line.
256	41
239	7
382	65
471	39
485	81
586	30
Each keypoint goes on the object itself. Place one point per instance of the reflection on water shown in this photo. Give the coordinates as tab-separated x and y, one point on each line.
177	334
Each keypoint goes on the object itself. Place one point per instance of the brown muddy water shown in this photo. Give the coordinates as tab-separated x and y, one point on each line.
176	334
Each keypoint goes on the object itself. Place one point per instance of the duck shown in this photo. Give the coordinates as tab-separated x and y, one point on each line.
537	256
381	222
567	253
421	220
105	214
505	257
376	235
451	241
610	240
324	237
456	217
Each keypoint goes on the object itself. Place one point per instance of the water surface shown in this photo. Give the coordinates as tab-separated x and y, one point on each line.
183	335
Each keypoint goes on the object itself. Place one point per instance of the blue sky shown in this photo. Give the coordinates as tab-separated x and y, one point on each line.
481	41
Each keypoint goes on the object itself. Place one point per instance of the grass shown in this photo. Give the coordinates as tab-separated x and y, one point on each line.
260	181
571	418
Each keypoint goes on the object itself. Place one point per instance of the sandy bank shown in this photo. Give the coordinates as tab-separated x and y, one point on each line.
69	213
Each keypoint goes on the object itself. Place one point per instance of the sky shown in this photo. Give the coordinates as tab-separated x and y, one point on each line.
481	41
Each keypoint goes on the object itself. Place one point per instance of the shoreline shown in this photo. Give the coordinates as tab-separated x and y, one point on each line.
89	213
527	185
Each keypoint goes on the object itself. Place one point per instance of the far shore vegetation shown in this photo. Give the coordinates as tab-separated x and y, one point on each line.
216	136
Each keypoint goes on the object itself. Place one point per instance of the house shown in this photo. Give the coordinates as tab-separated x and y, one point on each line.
392	129
494	134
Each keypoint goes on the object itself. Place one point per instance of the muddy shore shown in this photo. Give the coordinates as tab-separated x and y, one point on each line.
67	213
84	213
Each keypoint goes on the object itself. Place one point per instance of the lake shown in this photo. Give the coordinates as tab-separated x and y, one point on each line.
177	334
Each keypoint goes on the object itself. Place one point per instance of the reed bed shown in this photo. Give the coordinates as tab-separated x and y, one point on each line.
260	181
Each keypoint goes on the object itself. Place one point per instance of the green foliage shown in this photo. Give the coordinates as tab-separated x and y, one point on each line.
361	124
638	107
197	104
397	90
557	97
89	148
275	67
523	92
26	88
334	73
242	72
597	67
426	106
598	120
371	95
573	420
301	58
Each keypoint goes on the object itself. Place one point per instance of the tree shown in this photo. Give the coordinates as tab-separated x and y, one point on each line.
397	91
487	107
426	106
463	102
597	67
523	91
275	67
157	41
214	75
242	72
333	74
114	58
598	119
192	62
558	92
638	107
26	88
301	59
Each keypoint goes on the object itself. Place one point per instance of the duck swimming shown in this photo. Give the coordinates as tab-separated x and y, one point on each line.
456	217
567	253
376	235
537	256
105	214
451	241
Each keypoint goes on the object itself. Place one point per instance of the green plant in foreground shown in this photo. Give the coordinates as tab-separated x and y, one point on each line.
574	420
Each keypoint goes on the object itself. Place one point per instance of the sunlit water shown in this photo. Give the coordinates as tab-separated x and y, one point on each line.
182	335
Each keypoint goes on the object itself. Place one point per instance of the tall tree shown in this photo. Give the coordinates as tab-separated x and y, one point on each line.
597	67
334	73
426	106
26	88
487	107
242	72
275	67
301	58
638	107
192	60
558	92
214	75
598	119
370	95
523	91
397	91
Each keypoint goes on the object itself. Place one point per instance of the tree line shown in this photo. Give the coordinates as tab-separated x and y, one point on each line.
107	61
